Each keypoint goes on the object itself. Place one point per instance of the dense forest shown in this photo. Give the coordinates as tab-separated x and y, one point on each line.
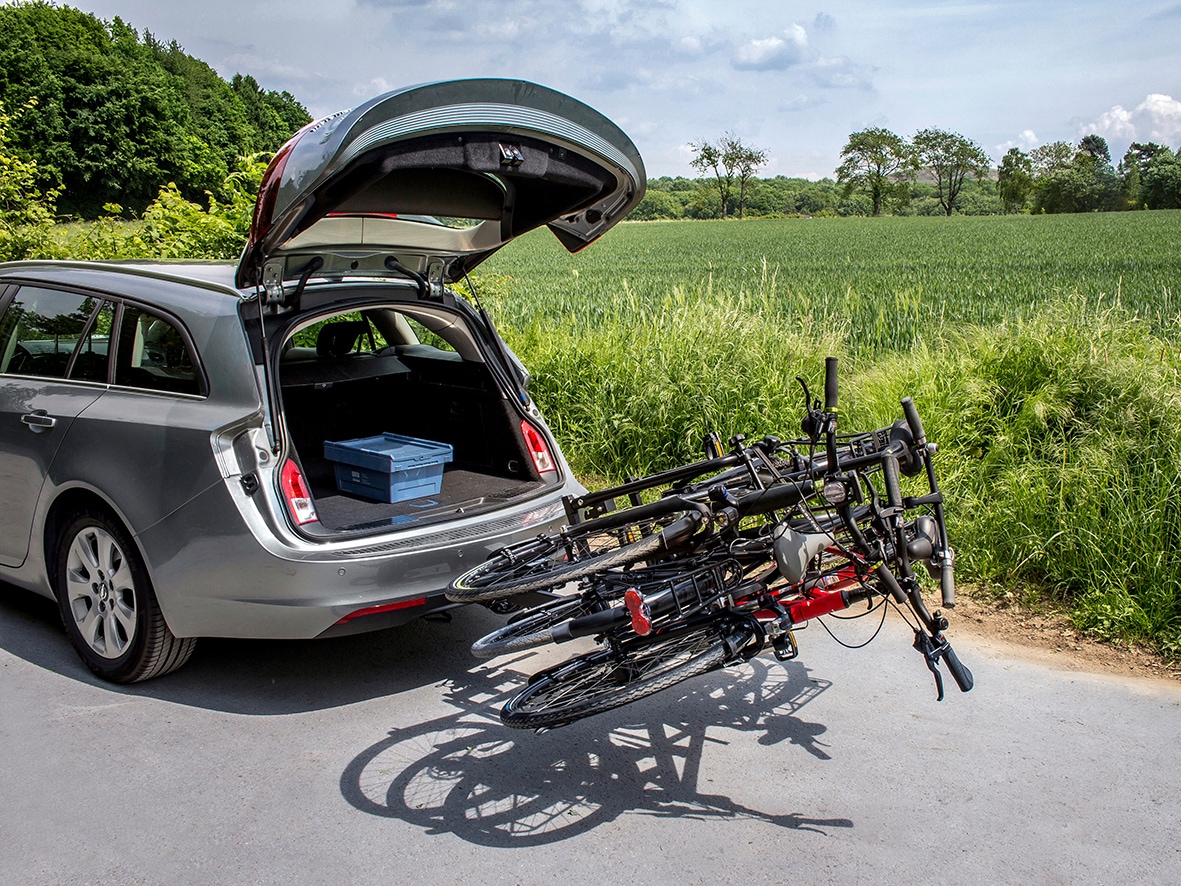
111	115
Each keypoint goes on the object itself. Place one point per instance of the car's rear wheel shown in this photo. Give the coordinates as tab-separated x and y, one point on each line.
107	603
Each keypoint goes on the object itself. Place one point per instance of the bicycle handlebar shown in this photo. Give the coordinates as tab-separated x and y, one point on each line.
947	585
830	384
912	419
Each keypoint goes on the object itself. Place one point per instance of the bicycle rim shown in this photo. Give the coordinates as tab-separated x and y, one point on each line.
532	629
499	578
606	679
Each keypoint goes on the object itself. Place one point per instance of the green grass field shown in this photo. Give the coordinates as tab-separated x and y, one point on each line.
897	279
1042	351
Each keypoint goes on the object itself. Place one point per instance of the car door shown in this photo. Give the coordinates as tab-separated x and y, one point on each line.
53	364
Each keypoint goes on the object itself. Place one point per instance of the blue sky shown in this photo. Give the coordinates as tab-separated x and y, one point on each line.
794	79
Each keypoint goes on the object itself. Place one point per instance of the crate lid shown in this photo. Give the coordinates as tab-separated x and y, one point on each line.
388	452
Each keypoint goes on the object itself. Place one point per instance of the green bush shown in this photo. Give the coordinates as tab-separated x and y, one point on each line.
173	227
26	210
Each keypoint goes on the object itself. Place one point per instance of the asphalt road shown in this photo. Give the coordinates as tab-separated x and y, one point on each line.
379	759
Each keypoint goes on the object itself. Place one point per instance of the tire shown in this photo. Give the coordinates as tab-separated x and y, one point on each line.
608	678
107	603
542	564
531	629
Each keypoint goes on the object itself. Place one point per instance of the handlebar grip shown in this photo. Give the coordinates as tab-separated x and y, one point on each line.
959	673
947	585
893	484
912	419
830	384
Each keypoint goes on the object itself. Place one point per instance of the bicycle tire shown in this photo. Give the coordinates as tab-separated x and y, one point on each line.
606	679
506	575
532	629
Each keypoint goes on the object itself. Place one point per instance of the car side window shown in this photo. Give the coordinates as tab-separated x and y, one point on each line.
90	363
41	330
153	354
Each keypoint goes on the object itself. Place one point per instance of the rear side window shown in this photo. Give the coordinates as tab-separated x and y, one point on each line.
153	354
41	330
90	362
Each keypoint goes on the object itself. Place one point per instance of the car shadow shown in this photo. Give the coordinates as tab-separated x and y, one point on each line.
265	677
468	775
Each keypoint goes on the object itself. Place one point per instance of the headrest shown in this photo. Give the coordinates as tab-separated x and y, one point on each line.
337	338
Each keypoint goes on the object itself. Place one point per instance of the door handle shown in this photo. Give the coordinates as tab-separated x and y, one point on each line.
39	420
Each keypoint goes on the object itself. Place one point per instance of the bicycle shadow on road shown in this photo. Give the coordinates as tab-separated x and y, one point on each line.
468	775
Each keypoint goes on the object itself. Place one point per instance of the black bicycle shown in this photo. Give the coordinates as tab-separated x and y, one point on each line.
736	552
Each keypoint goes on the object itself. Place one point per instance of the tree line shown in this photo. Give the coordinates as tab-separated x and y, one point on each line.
109	116
937	172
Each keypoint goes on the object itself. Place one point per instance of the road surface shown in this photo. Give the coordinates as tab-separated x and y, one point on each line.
379	759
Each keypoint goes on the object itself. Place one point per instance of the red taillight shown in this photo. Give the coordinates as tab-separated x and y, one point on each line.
641	617
538	450
383	607
268	190
295	491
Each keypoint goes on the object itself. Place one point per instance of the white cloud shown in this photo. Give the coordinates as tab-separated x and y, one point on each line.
264	66
1027	140
841	73
773	53
376	86
801	102
1156	119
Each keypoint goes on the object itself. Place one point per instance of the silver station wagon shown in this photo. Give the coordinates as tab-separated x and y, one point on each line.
317	441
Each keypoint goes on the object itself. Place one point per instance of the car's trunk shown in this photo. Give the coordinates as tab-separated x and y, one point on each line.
417	391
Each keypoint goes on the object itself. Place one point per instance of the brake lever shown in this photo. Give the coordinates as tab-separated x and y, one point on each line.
926	646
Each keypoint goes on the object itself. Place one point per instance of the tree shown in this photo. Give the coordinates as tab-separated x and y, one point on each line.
1161	183
120	115
728	159
747	161
1084	183
1096	146
951	158
878	163
1132	169
1014	181
707	157
26	212
1047	158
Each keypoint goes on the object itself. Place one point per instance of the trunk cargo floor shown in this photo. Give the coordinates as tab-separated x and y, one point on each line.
461	489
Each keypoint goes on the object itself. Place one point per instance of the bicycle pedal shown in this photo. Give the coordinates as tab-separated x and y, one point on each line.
785	646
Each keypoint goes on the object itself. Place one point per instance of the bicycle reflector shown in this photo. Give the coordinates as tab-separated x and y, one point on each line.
295	491
641	617
538	450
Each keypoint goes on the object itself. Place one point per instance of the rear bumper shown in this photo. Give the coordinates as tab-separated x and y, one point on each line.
214	576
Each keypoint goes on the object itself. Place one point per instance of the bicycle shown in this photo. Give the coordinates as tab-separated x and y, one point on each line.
740	549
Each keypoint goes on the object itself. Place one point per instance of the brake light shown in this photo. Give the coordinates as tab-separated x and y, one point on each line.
295	491
383	607
538	450
268	190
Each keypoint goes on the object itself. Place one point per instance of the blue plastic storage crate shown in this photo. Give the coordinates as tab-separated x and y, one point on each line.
389	467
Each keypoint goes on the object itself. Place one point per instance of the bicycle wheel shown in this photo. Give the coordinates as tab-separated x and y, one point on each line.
609	678
545	562
532	628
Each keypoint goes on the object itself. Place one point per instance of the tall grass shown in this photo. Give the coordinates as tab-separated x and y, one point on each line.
1044	358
